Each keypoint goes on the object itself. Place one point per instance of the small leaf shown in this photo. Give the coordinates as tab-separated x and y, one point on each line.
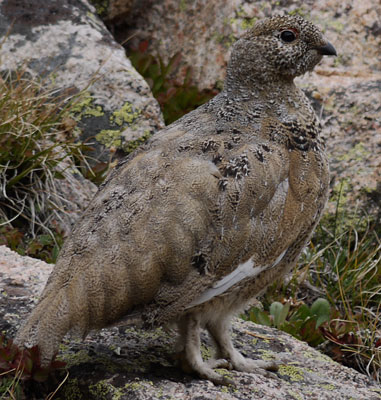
260	317
322	310
283	314
276	310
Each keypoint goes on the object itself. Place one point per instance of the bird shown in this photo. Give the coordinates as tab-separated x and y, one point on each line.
200	219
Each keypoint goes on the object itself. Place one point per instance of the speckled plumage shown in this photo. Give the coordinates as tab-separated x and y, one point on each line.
216	206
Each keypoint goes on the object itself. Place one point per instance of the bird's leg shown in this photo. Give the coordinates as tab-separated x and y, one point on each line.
220	331
190	330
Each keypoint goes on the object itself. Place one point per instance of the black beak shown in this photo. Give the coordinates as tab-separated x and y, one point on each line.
327	50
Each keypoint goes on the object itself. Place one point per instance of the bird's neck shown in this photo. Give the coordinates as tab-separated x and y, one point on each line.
255	88
279	99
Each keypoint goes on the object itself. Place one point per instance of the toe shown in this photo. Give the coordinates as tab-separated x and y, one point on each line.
258	366
217	379
267	365
219	363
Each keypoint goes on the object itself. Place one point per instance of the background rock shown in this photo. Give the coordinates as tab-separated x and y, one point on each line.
68	46
127	363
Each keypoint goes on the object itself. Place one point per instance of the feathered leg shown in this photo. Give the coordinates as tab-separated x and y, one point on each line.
219	329
190	329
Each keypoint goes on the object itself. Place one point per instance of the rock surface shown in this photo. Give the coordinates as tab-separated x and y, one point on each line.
68	46
127	363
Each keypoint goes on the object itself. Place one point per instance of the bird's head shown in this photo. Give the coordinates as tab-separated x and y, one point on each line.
280	47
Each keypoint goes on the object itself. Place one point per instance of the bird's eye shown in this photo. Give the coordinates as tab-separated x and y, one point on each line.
288	36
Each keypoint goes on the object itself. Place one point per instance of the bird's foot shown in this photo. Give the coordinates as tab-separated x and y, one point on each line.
205	369
207	372
218	363
265	368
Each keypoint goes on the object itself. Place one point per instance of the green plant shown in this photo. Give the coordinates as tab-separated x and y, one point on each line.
301	321
36	149
175	97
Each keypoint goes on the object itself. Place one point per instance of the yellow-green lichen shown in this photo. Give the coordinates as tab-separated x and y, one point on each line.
101	389
357	153
339	60
296	374
266	355
85	107
76	358
248	23
328	386
224	389
134	386
101	6
226	41
118	393
206	352
295	395
147	334
336	25
298	11
70	390
125	115
110	137
224	372
82	357
317	356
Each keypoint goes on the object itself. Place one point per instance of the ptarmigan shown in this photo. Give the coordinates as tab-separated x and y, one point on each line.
204	216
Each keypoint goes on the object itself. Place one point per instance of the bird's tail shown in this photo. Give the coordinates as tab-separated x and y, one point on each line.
46	326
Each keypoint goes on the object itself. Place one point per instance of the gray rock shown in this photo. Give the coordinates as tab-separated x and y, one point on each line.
127	363
68	46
